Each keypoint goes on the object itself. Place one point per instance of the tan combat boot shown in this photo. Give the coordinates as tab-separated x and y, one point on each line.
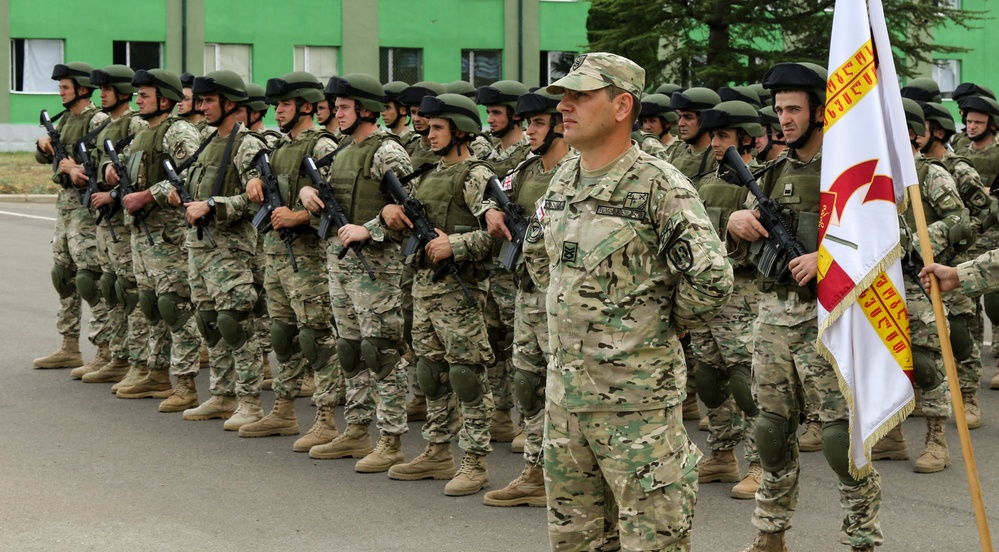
354	442
972	413
266	362
323	430
691	410
280	421
502	428
864	548
387	453
704	424
113	371
217	406
811	439
247	411
935	456
416	409
993	384
527	490
768	542
517	445
721	466
156	385
102	357
136	373
435	462
184	396
472	476
892	446
746	489
66	356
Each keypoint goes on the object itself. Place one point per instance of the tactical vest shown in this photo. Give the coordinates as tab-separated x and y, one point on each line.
922	170
202	174
985	163
694	166
269	137
441	191
71	129
115	131
286	164
422	155
357	192
531	184
145	161
721	199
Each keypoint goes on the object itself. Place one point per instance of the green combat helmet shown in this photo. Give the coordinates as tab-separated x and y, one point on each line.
187	79
668	88
771	126
504	92
300	86
966	89
78	72
740	93
458	109
226	84
807	77
735	114
392	90
923	89
167	86
256	99
538	102
768	117
937	113
915	120
414	95
980	104
118	77
764	94
464	88
363	89
694	99
658	105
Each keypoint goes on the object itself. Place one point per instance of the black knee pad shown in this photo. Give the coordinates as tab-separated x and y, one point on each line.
836	448
960	337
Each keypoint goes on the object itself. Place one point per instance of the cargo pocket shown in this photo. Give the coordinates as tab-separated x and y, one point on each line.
665	515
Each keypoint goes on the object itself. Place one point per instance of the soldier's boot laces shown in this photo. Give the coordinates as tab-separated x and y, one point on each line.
102	357
472	476
691	410
435	462
891	446
247	412
528	489
184	396
354	442
502	428
113	371
66	356
280	421
387	453
721	466
135	374
323	431
218	406
935	456
416	409
156	385
972	413
811	439
768	542
746	489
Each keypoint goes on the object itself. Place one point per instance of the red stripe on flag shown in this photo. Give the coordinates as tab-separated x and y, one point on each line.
834	286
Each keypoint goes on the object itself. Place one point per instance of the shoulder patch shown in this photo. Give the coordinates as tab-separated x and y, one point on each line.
534	231
681	256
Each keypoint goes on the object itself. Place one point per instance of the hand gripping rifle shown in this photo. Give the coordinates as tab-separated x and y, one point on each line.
782	247
423	231
185	197
272	200
60	152
105	212
332	213
515	221
124	188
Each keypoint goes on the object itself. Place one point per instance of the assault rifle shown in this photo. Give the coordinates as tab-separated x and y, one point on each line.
423	231
272	200
60	152
185	197
105	212
782	247
332	213
515	221
124	188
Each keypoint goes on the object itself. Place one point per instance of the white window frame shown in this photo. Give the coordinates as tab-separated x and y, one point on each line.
217	58
306	60
13	68
937	73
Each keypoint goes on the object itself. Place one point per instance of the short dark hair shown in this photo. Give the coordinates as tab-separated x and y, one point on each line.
636	105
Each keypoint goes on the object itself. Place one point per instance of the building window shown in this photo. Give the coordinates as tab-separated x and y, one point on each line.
555	65
401	64
137	55
31	62
481	67
947	73
233	57
318	60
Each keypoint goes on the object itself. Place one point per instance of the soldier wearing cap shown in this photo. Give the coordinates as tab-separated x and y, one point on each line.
633	262
787	366
76	269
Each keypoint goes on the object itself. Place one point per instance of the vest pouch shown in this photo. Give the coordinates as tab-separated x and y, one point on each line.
808	230
715	215
132	168
284	187
203	178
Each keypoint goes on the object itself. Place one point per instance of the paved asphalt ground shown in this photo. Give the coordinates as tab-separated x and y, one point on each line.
83	470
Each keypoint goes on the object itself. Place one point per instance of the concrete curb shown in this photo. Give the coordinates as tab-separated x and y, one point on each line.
28	198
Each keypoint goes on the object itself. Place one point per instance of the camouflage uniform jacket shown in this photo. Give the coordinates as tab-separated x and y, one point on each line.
481	147
505	160
939	193
651	144
633	261
979	275
974	194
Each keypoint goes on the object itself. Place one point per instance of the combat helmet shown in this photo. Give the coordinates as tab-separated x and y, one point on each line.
165	82
392	90
224	83
733	114
464	88
413	96
537	102
694	99
504	92
658	105
363	89
118	77
740	93
915	120
297	84
922	89
456	108
966	89
79	73
936	112
980	104
797	76
765	97
256	99
668	88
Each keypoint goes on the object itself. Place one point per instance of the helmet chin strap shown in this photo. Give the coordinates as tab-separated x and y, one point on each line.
286	128
803	139
549	139
929	144
120	102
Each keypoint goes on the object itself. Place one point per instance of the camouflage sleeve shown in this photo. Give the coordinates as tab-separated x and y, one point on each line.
389	155
324	146
980	275
689	245
477	244
233	208
654	147
480	147
135	124
952	218
975	195
97	120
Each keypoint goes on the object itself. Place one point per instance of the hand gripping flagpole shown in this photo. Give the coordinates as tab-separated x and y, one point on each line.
916	203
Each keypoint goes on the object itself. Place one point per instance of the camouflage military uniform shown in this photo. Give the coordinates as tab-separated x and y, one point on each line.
633	260
695	165
220	277
651	144
261	320
481	147
986	161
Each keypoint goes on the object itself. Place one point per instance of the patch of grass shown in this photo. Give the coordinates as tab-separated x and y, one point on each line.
21	174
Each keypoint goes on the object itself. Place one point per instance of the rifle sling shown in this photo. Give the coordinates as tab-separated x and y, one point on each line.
190	160
220	176
419	171
328	158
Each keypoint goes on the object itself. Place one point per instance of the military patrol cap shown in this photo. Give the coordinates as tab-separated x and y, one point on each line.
934	111
765	97
118	77
77	71
769	117
414	94
504	92
165	81
297	84
464	88
797	76
966	89
458	109
922	89
360	88
224	83
539	101
914	117
658	105
694	99
598	70
740	93
732	114
668	88
393	89
187	79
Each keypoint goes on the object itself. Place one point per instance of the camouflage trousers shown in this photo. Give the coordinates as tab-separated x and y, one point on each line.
261	320
302	300
786	364
221	280
531	351
607	492
406	289
725	343
161	268
137	335
365	308
963	308
985	242
74	247
499	315
448	328
111	255
923	332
